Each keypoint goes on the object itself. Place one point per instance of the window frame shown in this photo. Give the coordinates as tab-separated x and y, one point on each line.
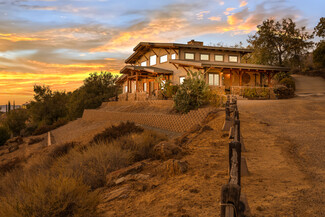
189	53
205	54
150	64
229	56
163	56
222	55
215	82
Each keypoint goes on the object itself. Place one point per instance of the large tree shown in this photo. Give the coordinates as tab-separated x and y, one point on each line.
279	43
319	52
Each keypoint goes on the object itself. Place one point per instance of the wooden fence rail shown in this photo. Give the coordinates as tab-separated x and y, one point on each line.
231	204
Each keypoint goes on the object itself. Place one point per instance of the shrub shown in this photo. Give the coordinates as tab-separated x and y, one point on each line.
45	195
215	98
44	128
281	75
256	93
94	163
16	120
288	82
4	135
191	94
283	92
115	132
61	150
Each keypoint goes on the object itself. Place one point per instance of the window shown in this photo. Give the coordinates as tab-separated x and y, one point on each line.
218	57
233	59
214	79
181	79
205	57
144	87
189	56
173	56
125	89
153	60
163	59
144	63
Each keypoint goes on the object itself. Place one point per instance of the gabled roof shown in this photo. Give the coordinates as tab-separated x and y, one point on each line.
143	47
149	69
206	64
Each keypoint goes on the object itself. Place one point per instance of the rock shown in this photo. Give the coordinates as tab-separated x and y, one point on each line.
165	150
133	169
16	140
13	148
173	167
130	177
122	192
206	128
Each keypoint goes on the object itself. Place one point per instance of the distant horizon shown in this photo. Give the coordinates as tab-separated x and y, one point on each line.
58	43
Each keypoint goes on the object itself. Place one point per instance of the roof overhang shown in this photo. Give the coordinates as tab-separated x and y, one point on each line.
224	65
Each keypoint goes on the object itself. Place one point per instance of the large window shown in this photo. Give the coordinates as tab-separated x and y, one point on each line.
125	89
233	59
144	63
205	56
153	60
163	59
214	79
218	57
181	79
173	56
189	56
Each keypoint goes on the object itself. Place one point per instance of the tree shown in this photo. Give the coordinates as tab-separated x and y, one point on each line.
96	89
16	120
319	30
48	106
4	135
278	43
192	93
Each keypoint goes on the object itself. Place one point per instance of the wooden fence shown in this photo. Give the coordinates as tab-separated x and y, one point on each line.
232	203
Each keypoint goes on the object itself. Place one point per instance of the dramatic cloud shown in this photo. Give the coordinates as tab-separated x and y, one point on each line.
58	43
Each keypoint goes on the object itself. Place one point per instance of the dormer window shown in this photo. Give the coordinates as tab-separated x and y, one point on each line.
144	63
189	56
153	60
205	57
218	57
233	59
173	56
163	59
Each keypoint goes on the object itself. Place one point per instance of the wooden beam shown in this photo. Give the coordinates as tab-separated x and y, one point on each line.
137	82
154	52
167	51
175	65
175	51
185	69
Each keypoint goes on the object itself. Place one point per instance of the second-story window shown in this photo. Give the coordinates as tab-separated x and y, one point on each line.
163	59
144	63
205	56
189	56
218	57
233	59
153	60
173	56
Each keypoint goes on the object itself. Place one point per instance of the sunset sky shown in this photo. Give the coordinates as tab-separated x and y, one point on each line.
59	42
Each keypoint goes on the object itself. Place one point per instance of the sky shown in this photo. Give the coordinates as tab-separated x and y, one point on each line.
59	42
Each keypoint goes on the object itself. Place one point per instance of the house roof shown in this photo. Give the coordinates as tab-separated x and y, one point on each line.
206	64
143	47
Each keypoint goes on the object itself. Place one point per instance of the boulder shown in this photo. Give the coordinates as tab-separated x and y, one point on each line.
165	150
122	192
173	167
133	169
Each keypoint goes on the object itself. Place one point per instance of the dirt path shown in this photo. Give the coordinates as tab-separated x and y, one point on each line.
286	152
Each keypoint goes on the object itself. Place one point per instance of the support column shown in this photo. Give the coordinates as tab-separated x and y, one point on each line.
137	82
220	79
269	79
240	78
127	84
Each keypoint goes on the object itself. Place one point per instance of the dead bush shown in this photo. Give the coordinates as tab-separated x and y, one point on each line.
94	163
115	132
45	195
62	149
11	165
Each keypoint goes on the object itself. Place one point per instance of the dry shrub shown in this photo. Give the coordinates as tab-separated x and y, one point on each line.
44	195
11	165
62	149
115	132
93	163
141	145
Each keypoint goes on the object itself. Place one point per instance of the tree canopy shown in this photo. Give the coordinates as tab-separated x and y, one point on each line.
279	43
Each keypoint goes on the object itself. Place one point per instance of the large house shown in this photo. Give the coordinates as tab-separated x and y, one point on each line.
223	68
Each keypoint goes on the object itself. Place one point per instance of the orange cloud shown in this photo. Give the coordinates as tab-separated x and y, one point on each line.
243	3
230	9
15	38
215	18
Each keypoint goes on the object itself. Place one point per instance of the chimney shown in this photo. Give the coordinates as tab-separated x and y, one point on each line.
193	42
